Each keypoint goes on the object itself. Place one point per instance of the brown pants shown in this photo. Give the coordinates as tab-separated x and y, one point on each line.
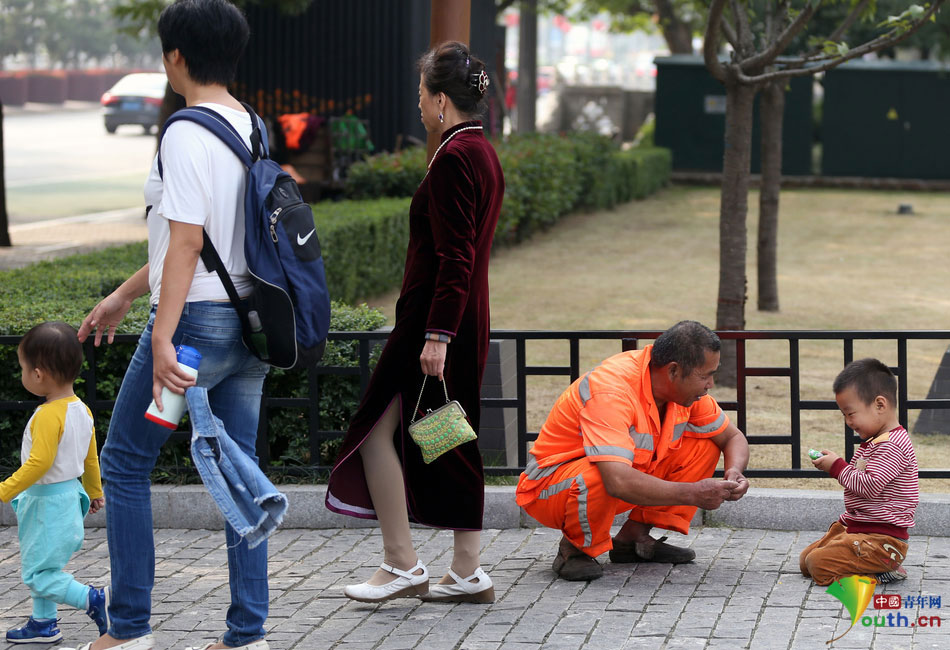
839	554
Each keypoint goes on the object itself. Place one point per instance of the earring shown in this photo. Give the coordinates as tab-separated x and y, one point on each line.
441	119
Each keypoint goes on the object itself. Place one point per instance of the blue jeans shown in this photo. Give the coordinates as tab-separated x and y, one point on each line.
234	379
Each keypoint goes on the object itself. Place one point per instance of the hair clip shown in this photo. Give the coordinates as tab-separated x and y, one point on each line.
481	81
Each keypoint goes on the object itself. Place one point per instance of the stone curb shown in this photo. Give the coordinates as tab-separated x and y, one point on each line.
190	506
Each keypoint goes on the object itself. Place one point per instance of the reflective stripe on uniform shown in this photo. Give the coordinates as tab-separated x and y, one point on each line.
641	440
609	450
534	471
709	428
583	389
556	488
678	431
581	502
582	510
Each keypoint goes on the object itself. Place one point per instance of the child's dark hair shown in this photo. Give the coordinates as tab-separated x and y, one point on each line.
54	347
210	34
451	69
869	378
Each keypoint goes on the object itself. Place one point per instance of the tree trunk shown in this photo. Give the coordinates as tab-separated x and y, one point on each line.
733	208
678	35
4	220
450	20
771	110
527	67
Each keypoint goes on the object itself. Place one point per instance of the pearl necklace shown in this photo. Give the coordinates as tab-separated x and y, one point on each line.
446	141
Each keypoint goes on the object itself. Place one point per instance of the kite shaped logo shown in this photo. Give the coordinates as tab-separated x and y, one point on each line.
855	593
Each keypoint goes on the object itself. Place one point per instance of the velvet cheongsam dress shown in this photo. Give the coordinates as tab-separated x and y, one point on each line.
452	222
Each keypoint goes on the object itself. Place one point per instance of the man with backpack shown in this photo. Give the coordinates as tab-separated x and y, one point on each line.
199	193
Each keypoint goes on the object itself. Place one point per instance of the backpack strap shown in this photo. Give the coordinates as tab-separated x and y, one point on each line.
224	130
259	142
212	262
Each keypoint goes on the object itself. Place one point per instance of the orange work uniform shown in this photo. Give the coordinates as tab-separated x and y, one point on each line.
610	414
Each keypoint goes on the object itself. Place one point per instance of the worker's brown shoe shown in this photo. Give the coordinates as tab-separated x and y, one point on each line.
658	551
571	563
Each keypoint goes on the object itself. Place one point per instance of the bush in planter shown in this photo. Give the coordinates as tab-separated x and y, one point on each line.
68	288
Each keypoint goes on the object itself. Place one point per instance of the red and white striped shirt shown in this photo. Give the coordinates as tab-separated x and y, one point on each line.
881	487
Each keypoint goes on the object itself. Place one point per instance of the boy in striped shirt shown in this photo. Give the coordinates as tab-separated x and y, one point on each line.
881	487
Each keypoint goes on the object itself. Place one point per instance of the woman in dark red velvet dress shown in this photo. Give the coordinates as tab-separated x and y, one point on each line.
442	330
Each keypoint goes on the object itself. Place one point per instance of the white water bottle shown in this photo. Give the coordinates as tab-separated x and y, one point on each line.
173	404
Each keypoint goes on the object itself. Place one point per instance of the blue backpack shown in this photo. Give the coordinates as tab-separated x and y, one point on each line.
286	317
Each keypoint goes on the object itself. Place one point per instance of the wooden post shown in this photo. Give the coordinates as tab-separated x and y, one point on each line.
527	67
451	21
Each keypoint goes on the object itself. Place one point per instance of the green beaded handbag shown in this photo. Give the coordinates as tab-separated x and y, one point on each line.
440	430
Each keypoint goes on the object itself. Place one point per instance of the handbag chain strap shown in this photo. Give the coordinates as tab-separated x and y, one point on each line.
419	401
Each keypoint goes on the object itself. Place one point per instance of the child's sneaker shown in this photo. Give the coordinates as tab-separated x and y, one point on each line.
900	573
41	630
98	610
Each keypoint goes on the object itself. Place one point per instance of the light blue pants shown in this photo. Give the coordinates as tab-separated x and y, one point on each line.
49	520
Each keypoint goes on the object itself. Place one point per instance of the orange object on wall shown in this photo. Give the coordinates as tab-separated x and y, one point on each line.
294	125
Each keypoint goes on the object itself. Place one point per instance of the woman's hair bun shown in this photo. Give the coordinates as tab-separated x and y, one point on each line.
452	69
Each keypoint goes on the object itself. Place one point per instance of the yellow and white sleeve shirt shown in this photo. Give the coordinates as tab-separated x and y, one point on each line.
59	444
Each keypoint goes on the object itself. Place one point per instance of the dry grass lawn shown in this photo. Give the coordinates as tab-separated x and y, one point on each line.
846	261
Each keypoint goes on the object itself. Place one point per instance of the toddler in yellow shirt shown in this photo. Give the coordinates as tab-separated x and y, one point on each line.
59	447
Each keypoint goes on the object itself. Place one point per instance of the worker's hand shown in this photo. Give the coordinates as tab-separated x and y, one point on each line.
709	493
733	474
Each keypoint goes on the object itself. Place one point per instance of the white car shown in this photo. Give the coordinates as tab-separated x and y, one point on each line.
134	99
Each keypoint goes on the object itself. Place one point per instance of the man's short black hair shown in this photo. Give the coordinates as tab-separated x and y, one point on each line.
685	343
869	378
55	348
210	34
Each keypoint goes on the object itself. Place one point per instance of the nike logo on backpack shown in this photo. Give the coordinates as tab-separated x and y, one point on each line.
303	240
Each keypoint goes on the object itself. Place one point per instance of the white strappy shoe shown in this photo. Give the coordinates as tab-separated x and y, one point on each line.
477	588
406	584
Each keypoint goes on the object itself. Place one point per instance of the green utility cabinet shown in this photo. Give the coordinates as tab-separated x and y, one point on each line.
690	110
887	120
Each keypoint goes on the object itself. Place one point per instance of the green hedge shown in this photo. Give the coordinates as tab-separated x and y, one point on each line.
68	288
652	169
364	245
546	176
387	174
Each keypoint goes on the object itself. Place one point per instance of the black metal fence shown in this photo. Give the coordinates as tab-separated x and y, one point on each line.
627	340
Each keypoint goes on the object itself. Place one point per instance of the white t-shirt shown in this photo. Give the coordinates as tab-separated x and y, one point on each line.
203	185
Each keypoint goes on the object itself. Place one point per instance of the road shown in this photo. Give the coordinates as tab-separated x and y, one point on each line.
62	163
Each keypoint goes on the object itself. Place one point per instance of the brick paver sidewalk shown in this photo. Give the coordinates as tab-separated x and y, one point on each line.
743	591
